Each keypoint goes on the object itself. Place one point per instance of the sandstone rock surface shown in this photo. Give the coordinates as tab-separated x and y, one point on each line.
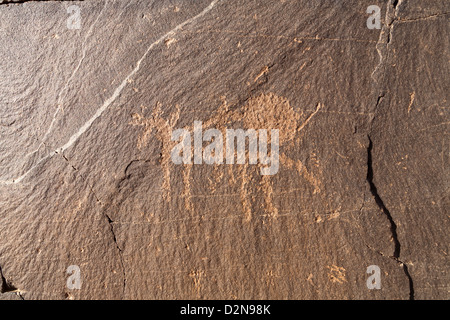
86	177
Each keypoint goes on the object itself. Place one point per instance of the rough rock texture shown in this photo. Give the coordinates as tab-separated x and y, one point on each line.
86	177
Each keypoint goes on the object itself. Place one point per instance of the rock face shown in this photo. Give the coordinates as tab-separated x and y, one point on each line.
87	179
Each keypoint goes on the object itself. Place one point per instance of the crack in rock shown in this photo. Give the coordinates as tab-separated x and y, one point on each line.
110	222
382	48
386	37
379	201
6	285
432	16
393	227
